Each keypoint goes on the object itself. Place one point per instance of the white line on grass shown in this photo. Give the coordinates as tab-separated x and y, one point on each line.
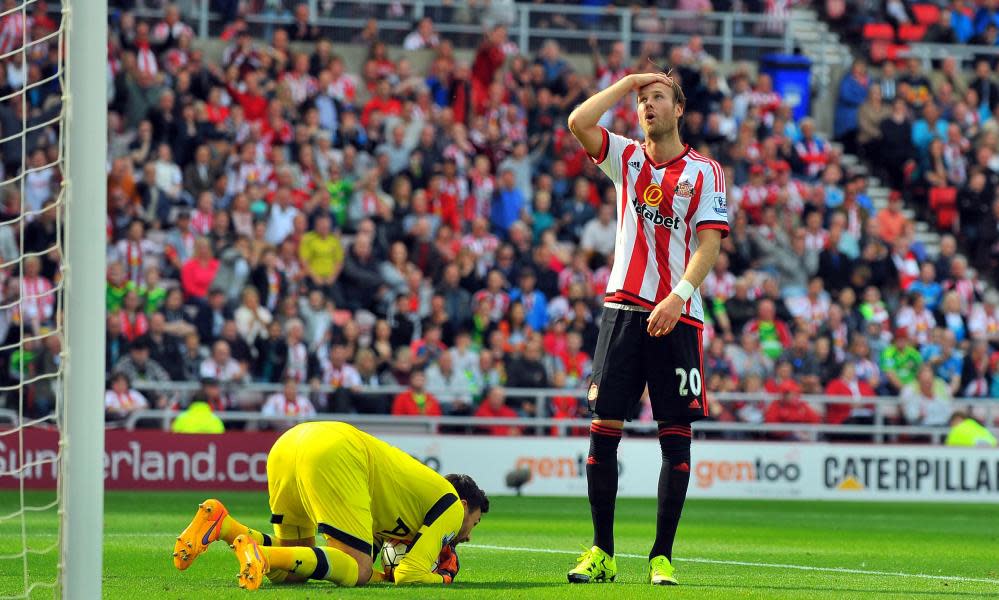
712	561
739	563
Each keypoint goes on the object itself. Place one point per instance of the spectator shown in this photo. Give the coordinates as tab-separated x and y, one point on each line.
748	360
251	318
494	406
927	400
790	408
453	386
422	37
849	385
507	204
199	418
890	220
138	366
852	93
164	346
221	367
802	357
199	271
121	400
533	300
289	404
870	115
977	371
967	432
984	321
212	316
416	400
773	333
900	362
322	256
599	234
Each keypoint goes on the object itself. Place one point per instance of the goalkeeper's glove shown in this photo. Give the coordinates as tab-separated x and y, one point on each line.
447	563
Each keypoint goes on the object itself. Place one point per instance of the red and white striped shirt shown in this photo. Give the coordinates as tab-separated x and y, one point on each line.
11	32
659	207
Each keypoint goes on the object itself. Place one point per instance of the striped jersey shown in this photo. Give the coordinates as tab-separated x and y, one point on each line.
659	207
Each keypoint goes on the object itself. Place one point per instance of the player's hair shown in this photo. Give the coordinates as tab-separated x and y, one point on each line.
678	96
469	491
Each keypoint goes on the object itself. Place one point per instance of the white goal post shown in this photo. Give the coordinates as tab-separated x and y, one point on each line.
82	481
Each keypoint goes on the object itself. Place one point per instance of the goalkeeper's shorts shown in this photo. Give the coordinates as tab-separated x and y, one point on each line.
317	479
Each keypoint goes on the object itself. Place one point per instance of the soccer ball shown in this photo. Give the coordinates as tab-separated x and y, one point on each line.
393	552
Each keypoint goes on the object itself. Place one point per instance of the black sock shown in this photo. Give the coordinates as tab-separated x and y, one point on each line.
601	483
674	440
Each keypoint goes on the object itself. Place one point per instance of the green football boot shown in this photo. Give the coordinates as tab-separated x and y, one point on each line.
595	566
661	572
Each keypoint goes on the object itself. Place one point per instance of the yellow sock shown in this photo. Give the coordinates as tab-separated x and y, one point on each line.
232	528
293	559
315	563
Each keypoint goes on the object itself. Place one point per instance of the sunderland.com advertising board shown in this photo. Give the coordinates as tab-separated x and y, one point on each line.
557	466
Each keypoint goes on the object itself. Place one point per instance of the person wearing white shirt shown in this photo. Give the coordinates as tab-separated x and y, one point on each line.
452	387
121	401
251	318
169	178
281	222
600	234
926	401
288	406
422	37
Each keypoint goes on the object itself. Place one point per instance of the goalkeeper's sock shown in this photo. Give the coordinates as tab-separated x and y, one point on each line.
601	483
315	563
674	441
232	528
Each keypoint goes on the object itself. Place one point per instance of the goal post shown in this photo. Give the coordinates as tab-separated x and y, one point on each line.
82	479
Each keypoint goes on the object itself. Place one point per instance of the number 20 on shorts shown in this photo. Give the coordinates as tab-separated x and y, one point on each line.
693	377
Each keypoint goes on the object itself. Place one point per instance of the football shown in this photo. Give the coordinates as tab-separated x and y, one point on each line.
393	552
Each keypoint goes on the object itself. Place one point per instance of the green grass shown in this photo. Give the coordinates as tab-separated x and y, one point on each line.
890	541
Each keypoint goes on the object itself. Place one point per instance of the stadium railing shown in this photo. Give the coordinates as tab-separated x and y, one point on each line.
880	430
962	52
9	416
434	425
732	35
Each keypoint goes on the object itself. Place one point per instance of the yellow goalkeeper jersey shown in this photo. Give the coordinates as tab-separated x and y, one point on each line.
357	489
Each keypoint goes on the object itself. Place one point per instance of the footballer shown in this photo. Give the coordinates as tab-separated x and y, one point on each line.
358	492
672	216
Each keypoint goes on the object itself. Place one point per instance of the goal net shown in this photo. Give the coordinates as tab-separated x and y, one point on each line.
43	407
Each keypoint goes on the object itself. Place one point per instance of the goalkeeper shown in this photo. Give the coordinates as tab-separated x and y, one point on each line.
355	490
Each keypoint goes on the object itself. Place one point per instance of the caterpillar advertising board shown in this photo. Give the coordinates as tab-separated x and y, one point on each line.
160	460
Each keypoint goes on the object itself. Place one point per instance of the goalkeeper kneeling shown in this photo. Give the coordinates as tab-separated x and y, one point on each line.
352	489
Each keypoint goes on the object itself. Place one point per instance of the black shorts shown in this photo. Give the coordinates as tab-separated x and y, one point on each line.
628	358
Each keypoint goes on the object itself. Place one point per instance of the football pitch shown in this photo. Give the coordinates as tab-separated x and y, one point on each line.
522	549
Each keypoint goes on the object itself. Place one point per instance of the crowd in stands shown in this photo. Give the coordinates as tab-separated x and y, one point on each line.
282	215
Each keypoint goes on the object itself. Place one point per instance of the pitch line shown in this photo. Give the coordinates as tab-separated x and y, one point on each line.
711	561
739	563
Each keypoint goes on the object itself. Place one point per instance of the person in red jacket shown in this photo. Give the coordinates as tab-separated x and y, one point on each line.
252	99
489	57
382	102
847	384
416	401
790	408
197	274
494	405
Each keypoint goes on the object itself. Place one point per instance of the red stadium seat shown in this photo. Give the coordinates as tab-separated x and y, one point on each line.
879	31
943	203
926	14
911	33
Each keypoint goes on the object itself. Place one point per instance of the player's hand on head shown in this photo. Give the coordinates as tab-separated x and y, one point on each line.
447	563
640	80
665	316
